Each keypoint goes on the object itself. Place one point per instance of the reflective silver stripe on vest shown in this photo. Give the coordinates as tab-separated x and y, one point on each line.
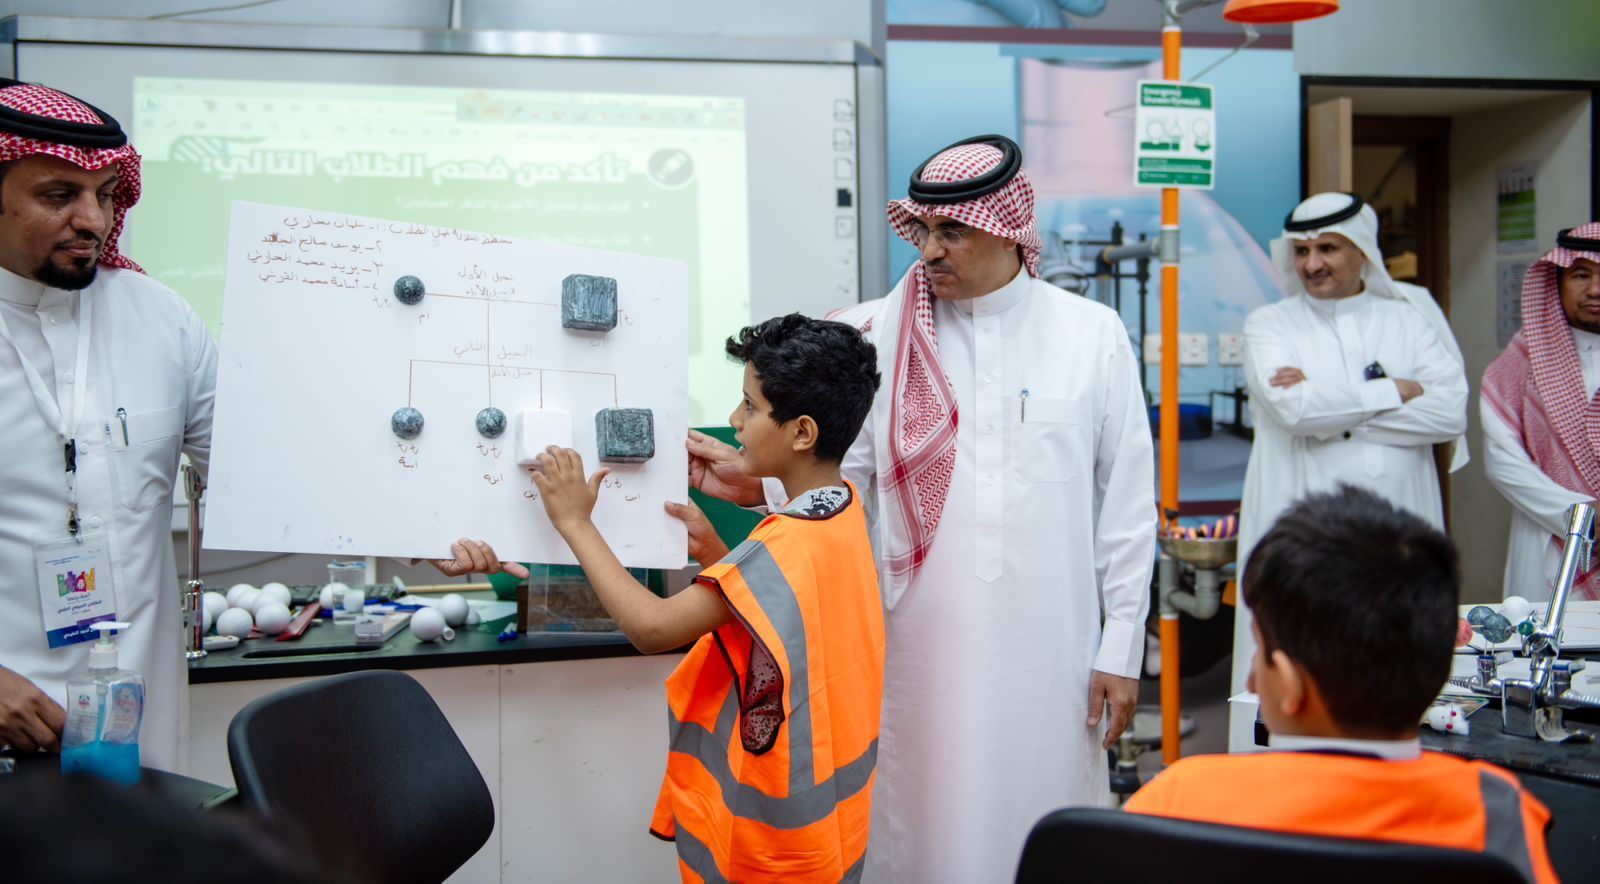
807	802
771	589
1503	833
697	856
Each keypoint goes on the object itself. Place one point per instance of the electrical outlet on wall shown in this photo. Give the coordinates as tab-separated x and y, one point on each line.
1152	350
1230	349
1194	349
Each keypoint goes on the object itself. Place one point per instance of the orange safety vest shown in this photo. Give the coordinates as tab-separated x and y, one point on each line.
1435	799
774	716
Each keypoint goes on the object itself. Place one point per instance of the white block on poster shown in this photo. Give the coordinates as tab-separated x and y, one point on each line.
318	354
537	430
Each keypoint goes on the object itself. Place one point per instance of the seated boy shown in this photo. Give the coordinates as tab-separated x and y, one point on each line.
1355	608
789	625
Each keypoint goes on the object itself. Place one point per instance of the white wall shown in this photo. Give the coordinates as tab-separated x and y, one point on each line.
1554	134
1506	39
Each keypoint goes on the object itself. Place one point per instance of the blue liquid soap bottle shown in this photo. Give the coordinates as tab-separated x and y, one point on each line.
105	706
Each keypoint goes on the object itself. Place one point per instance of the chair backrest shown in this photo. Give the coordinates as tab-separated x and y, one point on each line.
1083	843
369	769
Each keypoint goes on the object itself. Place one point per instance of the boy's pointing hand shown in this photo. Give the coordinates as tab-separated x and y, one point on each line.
568	498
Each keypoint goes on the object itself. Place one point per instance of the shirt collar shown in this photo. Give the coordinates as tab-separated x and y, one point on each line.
1331	307
20	289
1389	750
1586	340
1000	300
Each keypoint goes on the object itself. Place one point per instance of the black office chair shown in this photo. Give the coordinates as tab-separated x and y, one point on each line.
1081	843
368	768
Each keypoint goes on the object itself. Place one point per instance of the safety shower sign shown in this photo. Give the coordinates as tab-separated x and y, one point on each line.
1175	136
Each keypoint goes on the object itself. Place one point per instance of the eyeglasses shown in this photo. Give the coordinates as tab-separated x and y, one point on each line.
943	236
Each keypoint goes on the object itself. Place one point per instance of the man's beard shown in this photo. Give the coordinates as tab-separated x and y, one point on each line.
69	278
1592	327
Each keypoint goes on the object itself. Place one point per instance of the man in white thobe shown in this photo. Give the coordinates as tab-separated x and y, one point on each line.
105	376
1353	378
1011	472
1539	413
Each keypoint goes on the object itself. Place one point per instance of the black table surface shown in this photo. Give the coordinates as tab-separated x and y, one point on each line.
329	648
173	787
1574	760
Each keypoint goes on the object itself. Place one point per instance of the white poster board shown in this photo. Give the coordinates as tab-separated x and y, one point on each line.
319	353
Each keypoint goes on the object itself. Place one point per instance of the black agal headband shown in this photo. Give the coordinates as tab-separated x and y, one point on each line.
94	136
1328	220
1566	240
944	193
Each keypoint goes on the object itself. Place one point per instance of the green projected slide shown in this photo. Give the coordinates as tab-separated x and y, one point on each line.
649	174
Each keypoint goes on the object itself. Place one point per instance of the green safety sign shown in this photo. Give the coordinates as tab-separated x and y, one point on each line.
1175	136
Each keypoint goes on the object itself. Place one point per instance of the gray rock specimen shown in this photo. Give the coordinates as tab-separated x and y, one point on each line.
589	302
625	435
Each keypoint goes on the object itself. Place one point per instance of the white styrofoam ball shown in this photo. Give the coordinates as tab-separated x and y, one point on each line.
235	591
427	624
454	609
473	617
272	617
235	621
247	599
274	592
213	605
1516	608
332	594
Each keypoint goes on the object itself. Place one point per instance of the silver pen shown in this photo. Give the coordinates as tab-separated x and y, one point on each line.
1022	398
122	415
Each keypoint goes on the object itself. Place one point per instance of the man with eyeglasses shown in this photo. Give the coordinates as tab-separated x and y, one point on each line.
1539	412
1009	462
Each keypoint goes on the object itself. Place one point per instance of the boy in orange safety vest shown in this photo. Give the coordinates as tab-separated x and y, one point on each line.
1355	605
774	711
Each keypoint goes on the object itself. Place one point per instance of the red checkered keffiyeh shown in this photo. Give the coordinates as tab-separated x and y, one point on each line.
923	418
1536	387
43	101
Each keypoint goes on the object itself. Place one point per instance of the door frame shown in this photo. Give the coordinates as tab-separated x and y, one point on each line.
1589	86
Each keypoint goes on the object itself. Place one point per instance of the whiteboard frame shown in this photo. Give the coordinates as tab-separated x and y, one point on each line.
871	135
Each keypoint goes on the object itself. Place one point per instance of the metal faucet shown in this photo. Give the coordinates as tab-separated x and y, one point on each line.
194	590
1535	706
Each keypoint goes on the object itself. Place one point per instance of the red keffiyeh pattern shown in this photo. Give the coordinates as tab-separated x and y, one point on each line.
1536	387
923	416
46	102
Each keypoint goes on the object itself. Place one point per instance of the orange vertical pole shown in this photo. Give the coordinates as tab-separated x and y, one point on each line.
1171	749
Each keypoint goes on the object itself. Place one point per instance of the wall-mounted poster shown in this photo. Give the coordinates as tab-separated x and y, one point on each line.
1514	224
1509	299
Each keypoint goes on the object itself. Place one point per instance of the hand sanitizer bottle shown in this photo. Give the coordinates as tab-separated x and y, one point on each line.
105	706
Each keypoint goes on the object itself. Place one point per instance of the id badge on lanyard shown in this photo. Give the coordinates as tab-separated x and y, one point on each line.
73	569
75	590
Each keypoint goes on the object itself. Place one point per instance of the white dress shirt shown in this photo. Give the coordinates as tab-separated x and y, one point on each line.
1538	504
152	363
1341	425
1039	573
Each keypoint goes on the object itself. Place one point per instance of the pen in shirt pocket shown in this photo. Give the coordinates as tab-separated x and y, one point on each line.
122	415
1022	406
